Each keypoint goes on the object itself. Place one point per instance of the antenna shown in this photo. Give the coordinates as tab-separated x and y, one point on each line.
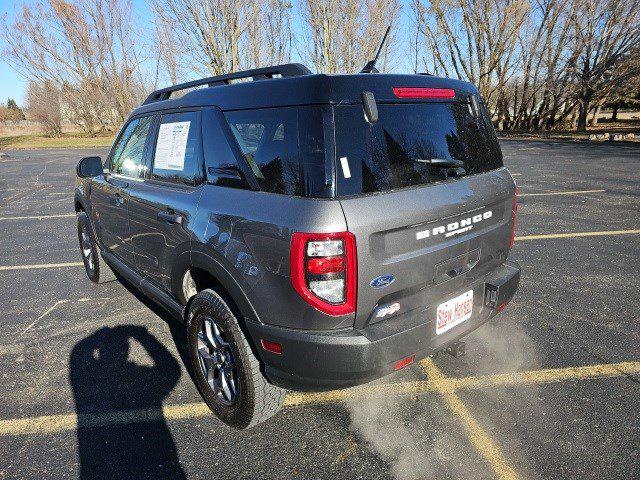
370	67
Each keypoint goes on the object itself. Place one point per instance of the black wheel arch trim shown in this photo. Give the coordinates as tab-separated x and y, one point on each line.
209	262
78	199
181	263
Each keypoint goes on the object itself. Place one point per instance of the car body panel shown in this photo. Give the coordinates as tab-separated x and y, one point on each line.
387	226
110	215
253	236
156	242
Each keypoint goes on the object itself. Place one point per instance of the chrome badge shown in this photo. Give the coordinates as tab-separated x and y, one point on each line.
382	281
388	310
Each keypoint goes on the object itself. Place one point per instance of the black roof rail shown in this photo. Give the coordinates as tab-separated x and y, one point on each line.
285	70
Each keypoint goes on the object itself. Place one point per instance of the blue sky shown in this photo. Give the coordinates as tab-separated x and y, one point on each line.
11	84
14	86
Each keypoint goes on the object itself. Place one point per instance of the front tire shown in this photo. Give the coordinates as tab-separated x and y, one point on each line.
225	370
95	267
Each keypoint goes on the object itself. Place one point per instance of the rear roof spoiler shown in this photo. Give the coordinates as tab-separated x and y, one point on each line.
286	70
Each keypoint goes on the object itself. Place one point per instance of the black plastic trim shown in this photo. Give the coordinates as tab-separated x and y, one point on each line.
286	70
154	293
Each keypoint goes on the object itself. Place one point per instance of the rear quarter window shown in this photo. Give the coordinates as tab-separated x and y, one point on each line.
268	139
393	153
284	147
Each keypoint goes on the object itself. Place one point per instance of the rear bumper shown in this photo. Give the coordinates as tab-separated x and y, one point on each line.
324	360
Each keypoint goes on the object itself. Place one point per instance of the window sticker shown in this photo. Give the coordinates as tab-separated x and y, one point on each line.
171	146
346	172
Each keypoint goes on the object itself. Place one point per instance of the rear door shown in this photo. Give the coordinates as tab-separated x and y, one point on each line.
162	207
425	233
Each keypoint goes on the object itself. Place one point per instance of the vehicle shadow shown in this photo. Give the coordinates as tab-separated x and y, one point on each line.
177	329
107	385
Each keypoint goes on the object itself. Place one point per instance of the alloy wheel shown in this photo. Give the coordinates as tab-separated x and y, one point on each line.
217	362
87	248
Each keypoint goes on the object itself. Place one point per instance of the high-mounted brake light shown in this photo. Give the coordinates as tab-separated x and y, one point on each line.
512	240
324	270
422	92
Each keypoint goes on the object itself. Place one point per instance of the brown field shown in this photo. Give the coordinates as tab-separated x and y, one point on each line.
28	135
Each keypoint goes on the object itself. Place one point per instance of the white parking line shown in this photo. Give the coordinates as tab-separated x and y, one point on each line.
39	217
569	192
47	312
16	349
578	234
40	265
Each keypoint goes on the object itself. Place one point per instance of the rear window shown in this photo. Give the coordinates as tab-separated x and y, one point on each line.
394	153
284	148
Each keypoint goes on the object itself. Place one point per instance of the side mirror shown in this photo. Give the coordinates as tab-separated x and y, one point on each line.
89	167
370	107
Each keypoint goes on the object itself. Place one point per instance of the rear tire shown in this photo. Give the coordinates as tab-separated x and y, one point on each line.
95	267
225	370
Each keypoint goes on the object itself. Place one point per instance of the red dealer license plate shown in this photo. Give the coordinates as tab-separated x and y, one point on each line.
453	312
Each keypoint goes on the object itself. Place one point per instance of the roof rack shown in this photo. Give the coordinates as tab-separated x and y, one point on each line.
286	70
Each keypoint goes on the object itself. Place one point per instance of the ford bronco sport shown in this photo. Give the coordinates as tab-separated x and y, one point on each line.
312	231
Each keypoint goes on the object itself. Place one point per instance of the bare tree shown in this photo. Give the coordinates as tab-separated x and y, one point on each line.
473	40
276	35
169	62
43	104
542	89
86	48
538	63
628	95
606	33
221	36
340	36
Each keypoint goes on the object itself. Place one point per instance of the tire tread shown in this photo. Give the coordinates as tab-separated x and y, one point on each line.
267	398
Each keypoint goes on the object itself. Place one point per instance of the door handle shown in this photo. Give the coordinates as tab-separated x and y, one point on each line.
168	217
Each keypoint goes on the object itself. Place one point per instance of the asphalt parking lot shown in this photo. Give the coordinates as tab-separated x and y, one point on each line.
92	384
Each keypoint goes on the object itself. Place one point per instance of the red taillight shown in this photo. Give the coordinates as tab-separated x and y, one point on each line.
512	240
320	266
272	347
324	270
421	92
404	362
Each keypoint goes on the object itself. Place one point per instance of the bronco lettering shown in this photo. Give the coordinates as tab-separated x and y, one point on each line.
455	228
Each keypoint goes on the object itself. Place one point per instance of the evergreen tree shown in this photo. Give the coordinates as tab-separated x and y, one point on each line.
15	112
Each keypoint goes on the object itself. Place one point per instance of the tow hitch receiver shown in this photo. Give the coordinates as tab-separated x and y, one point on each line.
498	293
456	349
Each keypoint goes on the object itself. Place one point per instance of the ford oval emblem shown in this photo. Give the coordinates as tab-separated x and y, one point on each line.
382	281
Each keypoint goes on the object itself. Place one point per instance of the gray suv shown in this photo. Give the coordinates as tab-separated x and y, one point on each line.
312	232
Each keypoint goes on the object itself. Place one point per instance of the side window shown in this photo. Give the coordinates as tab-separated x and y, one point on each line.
177	156
268	139
128	156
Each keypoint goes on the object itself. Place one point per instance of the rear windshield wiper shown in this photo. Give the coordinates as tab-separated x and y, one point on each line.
442	162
